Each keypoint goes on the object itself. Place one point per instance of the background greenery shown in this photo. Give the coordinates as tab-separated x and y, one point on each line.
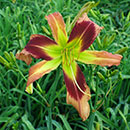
46	108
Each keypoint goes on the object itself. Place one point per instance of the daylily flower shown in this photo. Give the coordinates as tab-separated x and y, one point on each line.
67	51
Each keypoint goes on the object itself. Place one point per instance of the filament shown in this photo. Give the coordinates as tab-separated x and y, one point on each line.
77	83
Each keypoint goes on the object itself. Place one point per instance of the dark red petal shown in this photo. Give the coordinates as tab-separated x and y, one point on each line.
74	96
85	31
37	45
71	87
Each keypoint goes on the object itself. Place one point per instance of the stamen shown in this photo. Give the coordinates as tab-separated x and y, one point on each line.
77	83
70	57
73	54
67	58
64	54
78	55
63	59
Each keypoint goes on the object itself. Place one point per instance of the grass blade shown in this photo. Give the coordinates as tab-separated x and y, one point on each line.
108	121
66	123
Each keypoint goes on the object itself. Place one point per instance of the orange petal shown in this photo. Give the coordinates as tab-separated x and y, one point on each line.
42	68
57	25
84	33
102	58
78	93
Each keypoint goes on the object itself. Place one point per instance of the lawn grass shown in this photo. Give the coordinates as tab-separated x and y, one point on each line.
46	108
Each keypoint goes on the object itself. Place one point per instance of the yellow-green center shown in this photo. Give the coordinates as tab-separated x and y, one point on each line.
67	56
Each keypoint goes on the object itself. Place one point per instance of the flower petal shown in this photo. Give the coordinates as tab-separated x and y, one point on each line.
29	89
102	58
78	93
84	33
42	68
39	46
57	25
24	56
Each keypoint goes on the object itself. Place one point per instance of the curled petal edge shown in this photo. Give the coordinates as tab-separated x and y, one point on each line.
24	56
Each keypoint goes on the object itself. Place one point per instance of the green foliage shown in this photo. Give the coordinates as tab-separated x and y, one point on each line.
46	108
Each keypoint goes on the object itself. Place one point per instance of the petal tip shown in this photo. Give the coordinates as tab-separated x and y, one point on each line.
24	56
29	89
86	114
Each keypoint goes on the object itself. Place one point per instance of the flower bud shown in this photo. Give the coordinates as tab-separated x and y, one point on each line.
101	76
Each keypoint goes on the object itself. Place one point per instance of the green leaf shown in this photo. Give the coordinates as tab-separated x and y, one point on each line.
10	120
124	118
66	123
57	125
103	118
91	121
27	122
126	109
84	9
122	50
